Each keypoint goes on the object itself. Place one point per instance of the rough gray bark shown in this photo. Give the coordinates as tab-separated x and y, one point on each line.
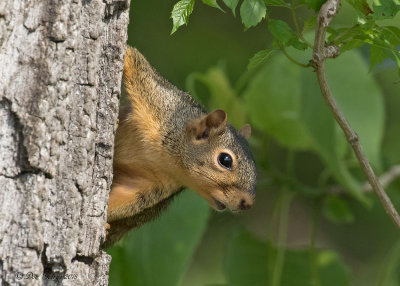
60	72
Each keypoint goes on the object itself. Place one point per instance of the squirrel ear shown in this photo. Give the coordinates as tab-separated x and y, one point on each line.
245	131
214	120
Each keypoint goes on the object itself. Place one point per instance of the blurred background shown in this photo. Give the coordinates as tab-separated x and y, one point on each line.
313	223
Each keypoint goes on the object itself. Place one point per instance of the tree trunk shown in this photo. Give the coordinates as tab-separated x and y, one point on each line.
60	74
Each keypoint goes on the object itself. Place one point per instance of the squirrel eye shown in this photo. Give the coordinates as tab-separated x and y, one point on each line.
225	160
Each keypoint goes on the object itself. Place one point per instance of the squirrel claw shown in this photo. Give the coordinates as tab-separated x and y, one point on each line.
107	228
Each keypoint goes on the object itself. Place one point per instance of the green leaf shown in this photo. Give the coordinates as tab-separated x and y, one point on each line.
259	59
361	100
377	55
313	4
280	3
391	35
390	147
337	210
330	269
297	116
389	41
297	44
332	34
390	267
310	24
159	252
296	268
252	12
361	6
250	261
351	44
232	5
320	124
275	105
212	3
397	60
360	32
311	124
246	261
280	30
386	38
384	9
180	13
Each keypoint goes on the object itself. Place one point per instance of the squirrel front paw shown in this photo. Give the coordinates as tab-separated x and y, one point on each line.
107	228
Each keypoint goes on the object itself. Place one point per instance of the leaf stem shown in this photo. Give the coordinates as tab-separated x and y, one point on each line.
388	269
287	197
290	161
313	252
296	24
282	48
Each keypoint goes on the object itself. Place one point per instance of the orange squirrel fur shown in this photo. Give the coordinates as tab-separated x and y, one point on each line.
165	142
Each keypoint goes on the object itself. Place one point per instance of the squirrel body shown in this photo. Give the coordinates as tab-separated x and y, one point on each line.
166	141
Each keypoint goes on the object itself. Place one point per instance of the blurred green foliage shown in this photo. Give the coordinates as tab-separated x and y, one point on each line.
248	263
312	224
150	261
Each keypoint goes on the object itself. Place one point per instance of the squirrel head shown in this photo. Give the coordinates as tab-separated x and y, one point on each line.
212	157
222	169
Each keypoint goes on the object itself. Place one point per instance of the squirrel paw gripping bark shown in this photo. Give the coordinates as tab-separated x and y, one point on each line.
165	142
107	228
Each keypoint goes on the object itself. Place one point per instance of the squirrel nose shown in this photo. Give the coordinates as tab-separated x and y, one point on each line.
244	205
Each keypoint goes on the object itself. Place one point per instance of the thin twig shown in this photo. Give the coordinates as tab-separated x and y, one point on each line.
298	32
386	179
320	54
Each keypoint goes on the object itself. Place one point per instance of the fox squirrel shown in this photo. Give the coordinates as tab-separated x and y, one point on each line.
166	141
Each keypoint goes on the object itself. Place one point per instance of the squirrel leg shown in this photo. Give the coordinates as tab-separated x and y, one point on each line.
120	227
131	195
121	202
133	201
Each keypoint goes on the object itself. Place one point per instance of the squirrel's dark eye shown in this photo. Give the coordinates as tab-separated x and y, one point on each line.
225	160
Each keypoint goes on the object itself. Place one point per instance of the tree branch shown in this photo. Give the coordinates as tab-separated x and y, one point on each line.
320	54
386	179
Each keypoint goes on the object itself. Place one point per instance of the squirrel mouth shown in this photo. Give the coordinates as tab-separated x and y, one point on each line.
220	206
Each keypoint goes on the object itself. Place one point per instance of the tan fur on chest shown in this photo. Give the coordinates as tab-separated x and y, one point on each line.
135	188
